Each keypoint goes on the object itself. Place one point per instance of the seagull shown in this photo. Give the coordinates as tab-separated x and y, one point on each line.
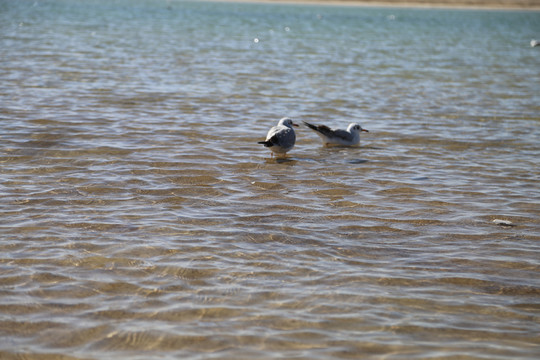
348	137
535	43
281	138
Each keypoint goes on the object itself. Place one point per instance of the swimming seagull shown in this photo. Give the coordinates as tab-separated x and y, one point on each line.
280	138
348	137
535	43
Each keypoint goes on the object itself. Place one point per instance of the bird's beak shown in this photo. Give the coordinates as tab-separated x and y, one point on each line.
294	124
365	130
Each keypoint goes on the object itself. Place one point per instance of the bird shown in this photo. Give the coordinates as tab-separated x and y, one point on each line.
281	138
535	43
329	136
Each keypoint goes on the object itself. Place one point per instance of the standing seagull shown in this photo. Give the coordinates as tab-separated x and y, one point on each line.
348	137
281	138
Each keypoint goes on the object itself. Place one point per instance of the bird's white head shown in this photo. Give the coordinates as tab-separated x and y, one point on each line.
287	122
354	127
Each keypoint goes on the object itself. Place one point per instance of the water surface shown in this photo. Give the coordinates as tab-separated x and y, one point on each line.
140	218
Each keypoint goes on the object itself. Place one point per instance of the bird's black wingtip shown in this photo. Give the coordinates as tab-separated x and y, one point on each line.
311	126
265	143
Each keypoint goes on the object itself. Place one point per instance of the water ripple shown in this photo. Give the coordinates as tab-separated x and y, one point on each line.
141	219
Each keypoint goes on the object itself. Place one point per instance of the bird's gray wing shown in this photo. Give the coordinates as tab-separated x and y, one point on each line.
329	133
285	137
342	134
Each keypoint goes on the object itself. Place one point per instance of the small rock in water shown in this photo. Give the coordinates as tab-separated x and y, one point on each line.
357	161
501	222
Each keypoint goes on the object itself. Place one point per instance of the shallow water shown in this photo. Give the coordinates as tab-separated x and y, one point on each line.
140	218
